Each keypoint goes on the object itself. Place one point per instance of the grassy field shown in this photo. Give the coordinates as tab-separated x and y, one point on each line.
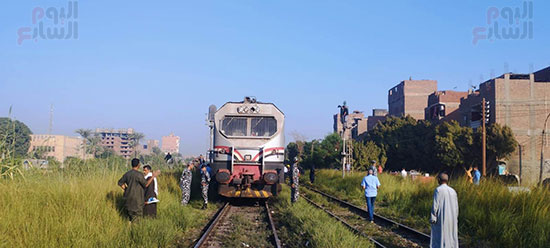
490	215
83	208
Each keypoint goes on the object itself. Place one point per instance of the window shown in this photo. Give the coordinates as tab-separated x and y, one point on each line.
234	126
263	126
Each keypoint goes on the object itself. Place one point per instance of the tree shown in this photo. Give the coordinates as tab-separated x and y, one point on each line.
85	134
292	151
501	143
15	138
135	138
363	153
454	146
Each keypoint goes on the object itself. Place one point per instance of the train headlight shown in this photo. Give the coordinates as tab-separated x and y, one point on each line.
271	177
223	176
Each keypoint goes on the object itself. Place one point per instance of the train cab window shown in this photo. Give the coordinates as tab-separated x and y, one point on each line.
263	126
234	126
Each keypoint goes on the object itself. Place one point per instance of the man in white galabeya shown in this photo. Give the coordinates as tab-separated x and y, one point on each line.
444	215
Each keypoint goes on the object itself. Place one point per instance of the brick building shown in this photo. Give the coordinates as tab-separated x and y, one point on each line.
117	140
522	102
444	105
147	149
170	144
410	98
377	116
356	125
57	146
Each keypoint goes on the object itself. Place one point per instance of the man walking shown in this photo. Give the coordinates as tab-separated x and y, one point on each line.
151	194
205	183
370	184
477	176
444	215
185	183
133	183
294	181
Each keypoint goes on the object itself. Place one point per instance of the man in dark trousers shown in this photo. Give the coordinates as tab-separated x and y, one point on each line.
133	183
151	194
312	174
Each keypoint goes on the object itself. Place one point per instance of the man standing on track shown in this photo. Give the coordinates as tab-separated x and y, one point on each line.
133	183
370	184
185	183
294	181
444	215
205	183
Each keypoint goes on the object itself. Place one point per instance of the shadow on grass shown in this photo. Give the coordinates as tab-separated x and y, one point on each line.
117	201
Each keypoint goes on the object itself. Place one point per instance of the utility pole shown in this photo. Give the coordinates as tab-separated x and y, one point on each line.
483	140
50	127
543	143
520	161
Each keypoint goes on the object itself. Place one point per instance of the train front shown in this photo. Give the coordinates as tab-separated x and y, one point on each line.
248	154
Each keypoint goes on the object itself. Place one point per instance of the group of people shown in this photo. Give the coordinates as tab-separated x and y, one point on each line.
444	212
187	177
140	191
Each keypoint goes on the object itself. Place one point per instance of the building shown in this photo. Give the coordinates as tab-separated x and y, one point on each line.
57	146
170	144
117	140
378	115
444	105
522	102
356	125
147	149
410	98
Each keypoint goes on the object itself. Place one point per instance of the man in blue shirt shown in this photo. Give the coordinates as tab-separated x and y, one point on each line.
370	184
477	176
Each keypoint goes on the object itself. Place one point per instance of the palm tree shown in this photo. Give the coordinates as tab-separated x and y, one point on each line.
134	140
85	133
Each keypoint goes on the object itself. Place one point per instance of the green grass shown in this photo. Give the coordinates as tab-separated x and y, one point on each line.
490	215
83	208
303	225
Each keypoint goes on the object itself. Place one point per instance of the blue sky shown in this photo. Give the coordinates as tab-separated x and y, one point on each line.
157	67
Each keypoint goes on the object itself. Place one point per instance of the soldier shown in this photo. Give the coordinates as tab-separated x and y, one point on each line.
294	180
185	183
205	182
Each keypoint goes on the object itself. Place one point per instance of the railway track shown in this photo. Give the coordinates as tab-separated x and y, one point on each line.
225	223
409	236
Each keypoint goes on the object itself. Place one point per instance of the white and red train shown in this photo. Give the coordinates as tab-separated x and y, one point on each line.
247	155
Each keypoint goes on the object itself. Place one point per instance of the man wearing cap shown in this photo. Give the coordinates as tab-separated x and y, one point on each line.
373	167
294	181
185	183
205	183
444	215
370	184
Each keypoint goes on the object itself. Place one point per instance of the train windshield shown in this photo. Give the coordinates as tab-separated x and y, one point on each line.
263	126
234	126
249	126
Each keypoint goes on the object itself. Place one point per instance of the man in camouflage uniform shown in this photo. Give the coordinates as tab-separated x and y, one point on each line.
294	181
205	182
185	183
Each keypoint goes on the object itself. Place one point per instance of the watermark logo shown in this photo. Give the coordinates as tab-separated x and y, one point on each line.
51	24
506	24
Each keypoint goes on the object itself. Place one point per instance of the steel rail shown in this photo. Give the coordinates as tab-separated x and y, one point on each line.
355	230
276	240
377	218
213	223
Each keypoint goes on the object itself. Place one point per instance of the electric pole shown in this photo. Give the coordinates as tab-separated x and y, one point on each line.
483	140
50	127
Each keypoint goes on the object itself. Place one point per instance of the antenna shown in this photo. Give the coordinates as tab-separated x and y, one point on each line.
51	120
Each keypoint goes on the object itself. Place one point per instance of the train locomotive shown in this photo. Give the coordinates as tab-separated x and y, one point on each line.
247	149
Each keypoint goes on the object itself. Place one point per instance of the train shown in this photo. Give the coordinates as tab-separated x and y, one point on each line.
247	148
